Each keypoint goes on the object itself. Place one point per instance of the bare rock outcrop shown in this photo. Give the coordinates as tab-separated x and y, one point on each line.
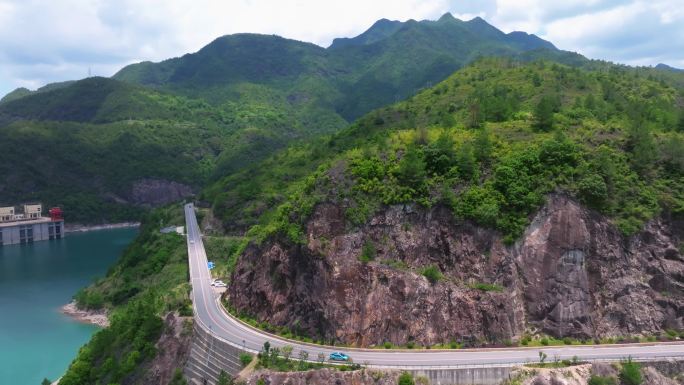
572	273
158	192
651	376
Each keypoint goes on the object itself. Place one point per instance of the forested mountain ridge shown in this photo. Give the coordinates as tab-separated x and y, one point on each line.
503	97
384	58
169	128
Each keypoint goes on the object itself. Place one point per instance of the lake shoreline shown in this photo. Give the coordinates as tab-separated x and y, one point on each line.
79	228
93	317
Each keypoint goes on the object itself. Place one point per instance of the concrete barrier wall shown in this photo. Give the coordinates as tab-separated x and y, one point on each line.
465	376
209	355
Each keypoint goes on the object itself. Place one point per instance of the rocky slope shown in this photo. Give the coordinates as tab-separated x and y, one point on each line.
571	274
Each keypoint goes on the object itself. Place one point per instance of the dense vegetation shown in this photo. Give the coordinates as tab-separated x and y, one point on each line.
84	151
214	113
490	142
150	279
211	114
390	61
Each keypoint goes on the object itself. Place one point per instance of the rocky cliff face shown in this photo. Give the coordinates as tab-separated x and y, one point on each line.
173	348
158	192
571	274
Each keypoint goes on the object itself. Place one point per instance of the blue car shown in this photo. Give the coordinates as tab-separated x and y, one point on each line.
337	356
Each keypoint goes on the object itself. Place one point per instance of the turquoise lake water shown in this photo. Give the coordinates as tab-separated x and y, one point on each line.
36	340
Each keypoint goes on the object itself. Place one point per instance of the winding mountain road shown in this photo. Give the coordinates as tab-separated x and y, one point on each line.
213	318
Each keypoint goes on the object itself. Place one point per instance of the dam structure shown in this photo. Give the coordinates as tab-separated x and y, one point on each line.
28	224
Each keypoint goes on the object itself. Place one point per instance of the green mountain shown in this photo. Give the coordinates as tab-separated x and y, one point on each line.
666	67
159	130
623	118
389	61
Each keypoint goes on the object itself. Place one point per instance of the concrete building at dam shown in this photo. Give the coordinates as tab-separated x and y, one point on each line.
26	224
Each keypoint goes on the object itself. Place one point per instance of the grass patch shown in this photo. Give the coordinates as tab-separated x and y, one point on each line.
432	274
487	287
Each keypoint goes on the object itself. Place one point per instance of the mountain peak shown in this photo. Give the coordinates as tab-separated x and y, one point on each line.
379	30
665	67
447	17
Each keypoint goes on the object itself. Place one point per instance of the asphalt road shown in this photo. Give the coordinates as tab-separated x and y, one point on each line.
210	314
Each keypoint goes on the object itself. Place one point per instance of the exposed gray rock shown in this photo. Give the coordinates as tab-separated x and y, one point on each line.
158	192
173	348
652	377
604	370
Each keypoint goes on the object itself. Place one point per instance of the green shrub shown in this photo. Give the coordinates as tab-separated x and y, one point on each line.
245	359
405	379
545	341
432	274
387	345
368	252
601	380
630	373
487	287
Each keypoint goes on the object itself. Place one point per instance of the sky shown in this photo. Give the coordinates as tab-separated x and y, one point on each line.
44	41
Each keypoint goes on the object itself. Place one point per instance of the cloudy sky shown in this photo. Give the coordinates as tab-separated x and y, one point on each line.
43	41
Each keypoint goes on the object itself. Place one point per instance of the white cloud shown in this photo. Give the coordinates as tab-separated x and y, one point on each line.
52	40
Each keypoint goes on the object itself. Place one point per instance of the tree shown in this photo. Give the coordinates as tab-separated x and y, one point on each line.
593	190
245	359
482	146
680	123
543	114
368	251
405	379
45	382
672	153
536	80
224	379
475	117
542	357
642	147
432	274
630	373
465	161
178	378
590	102
303	357
287	351
411	170
440	155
